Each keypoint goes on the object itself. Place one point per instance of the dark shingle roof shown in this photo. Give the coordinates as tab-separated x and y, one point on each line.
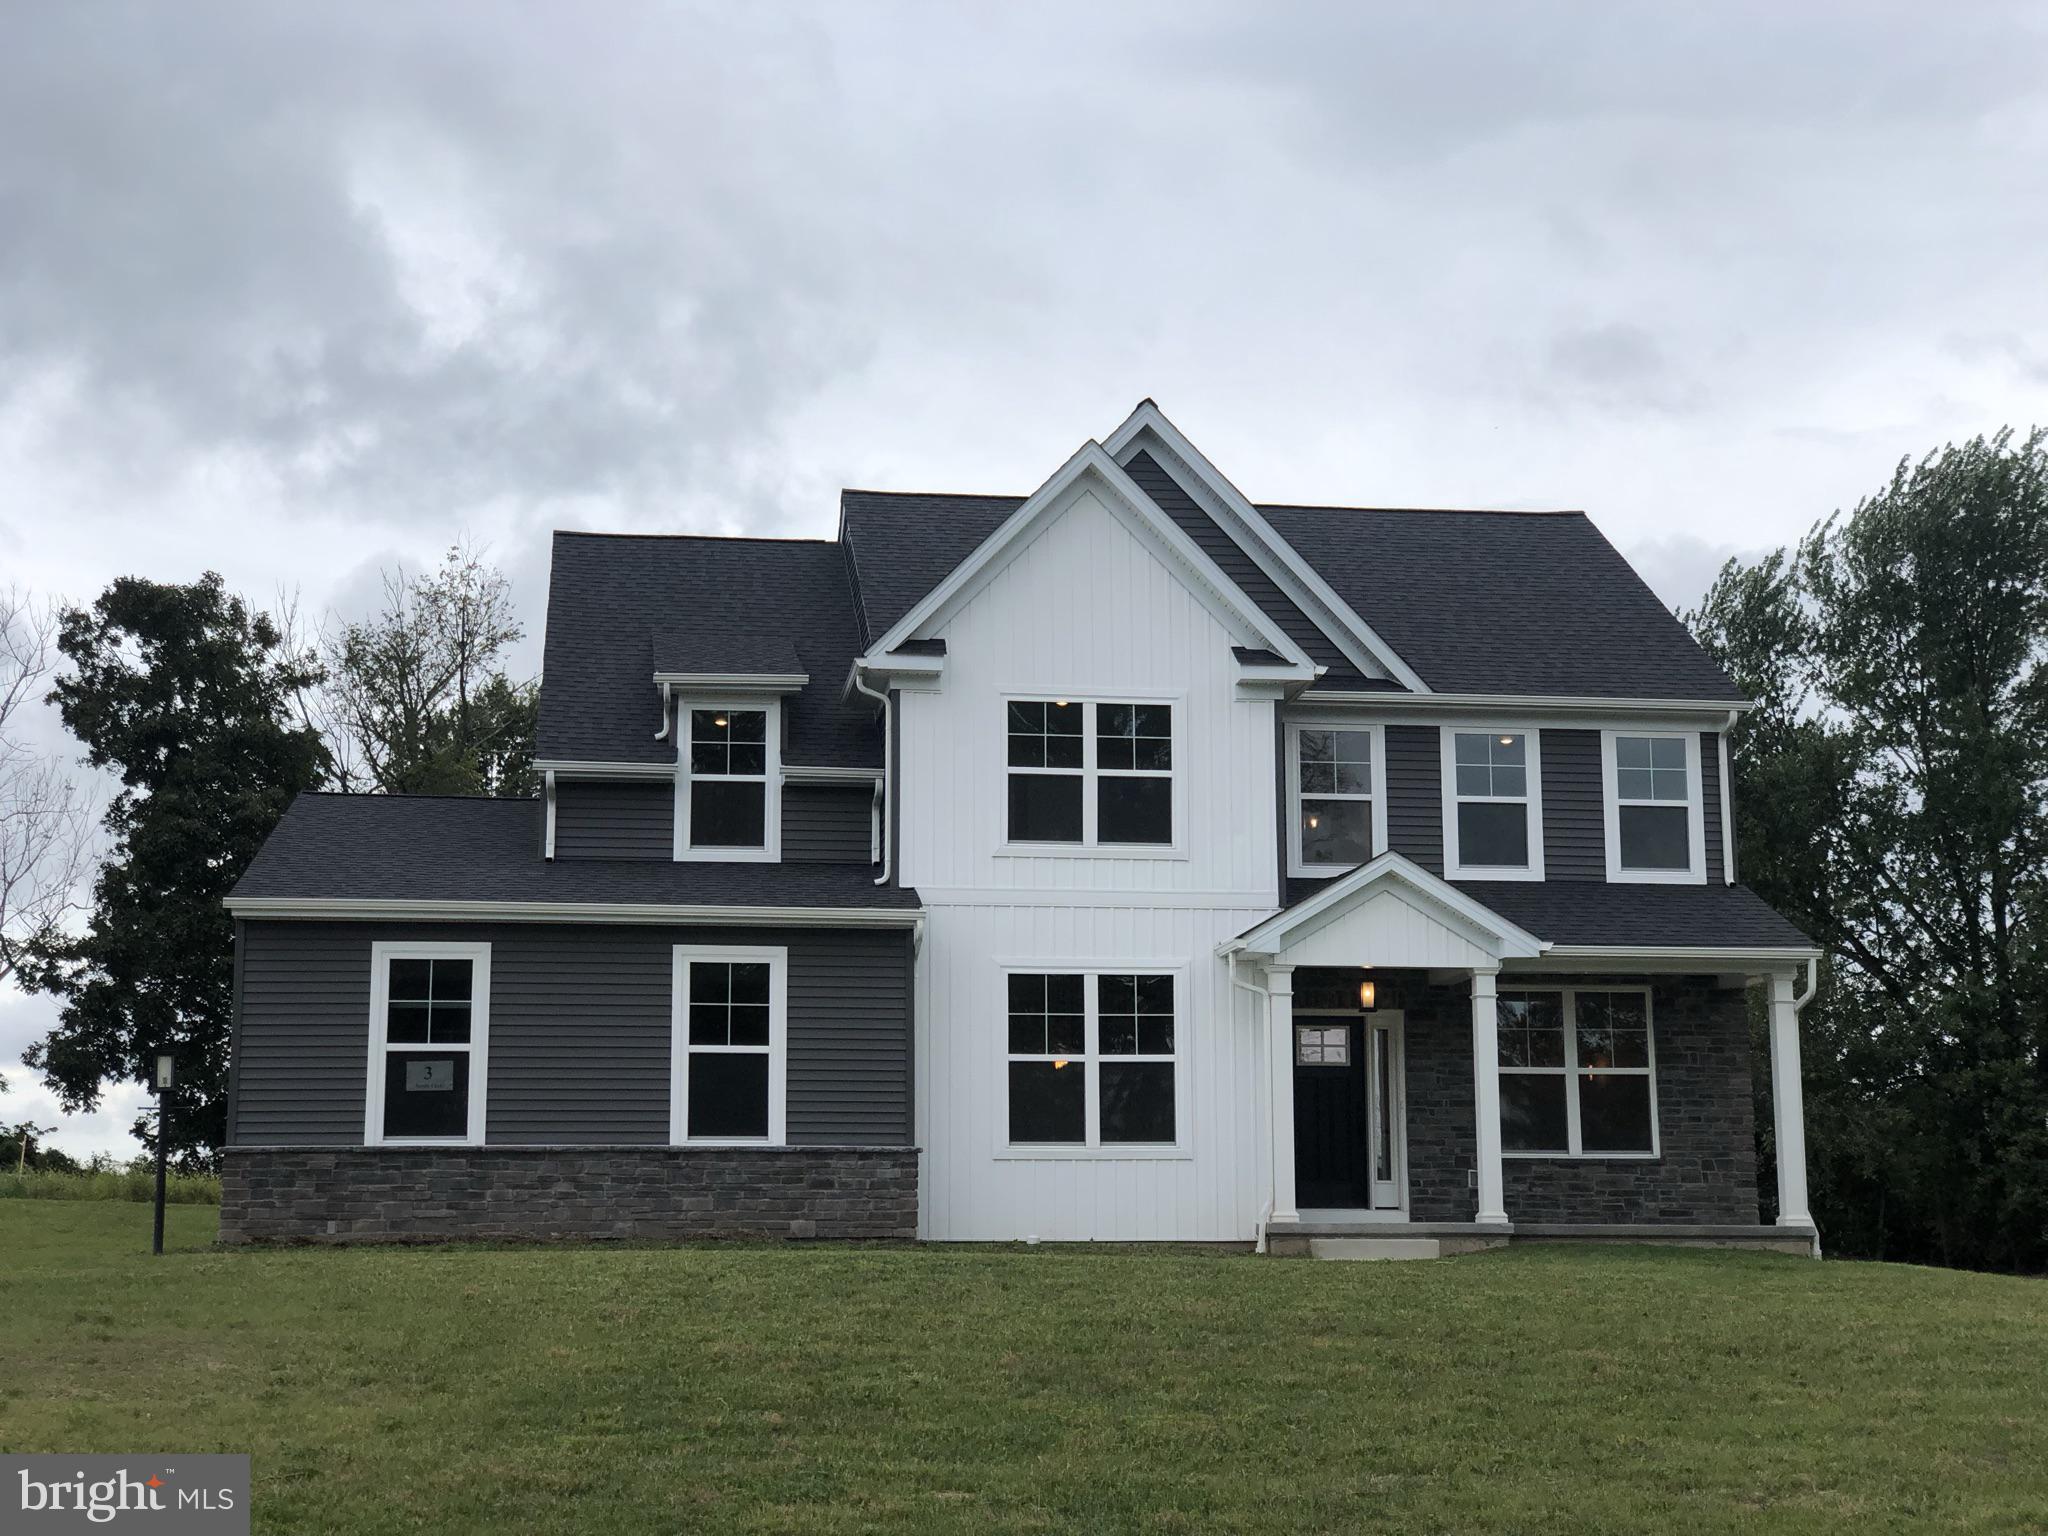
704	604
1592	912
434	848
1504	602
1475	602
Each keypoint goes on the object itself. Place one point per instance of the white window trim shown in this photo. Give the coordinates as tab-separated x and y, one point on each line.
1378	798
1455	868
382	953
684	955
1695	812
1090	774
771	793
1571	1072
1180	1149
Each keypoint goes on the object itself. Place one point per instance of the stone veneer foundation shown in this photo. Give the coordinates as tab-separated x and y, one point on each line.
400	1194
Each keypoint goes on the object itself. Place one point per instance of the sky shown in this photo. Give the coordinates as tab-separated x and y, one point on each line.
300	293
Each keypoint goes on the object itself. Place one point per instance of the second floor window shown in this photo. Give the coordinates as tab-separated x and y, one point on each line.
1493	816
727	796
1091	774
1337	824
1655	829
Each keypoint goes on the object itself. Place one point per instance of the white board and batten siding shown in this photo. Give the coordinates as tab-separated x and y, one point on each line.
1086	610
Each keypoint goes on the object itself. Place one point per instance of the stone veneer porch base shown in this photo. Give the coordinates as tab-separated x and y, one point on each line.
433	1194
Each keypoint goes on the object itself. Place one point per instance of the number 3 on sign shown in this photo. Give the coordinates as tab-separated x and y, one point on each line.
429	1076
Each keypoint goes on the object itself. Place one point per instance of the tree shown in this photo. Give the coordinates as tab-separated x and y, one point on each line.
45	828
189	697
418	701
1892	797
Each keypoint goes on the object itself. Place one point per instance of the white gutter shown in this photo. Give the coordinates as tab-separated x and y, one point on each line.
1546	703
888	765
307	909
1727	801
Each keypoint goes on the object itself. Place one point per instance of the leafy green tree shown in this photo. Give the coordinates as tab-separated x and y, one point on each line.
189	698
1892	797
418	701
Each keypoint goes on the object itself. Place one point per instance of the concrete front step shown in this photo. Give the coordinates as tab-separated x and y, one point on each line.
1374	1248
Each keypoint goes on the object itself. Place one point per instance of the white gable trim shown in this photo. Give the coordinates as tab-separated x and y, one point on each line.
1091	464
1393	873
1147	427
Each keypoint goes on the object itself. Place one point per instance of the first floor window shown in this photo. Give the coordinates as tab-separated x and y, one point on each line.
430	1007
1576	1072
1092	1059
729	1050
726	756
1089	774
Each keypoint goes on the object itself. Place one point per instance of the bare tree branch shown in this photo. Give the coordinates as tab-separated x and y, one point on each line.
45	817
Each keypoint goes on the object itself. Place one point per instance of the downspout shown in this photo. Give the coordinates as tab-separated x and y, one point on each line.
1812	985
549	790
888	769
1266	1210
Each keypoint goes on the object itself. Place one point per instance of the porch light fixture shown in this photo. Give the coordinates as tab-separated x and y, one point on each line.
1365	994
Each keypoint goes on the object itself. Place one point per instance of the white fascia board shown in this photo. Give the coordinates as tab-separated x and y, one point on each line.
1713	713
576	768
1271	936
733	682
1667	957
1269	551
877	664
1207	579
797	773
345	908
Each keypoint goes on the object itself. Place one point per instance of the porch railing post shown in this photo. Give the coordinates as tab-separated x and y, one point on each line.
1280	988
1486	1100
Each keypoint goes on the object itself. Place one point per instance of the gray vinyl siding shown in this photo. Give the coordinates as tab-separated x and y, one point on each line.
614	821
580	1031
1415	803
823	825
1574	824
1710	800
1231	559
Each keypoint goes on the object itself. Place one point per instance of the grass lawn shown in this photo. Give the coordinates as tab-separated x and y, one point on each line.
821	1389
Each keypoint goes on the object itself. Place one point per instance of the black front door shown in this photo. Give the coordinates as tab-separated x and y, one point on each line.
1330	1167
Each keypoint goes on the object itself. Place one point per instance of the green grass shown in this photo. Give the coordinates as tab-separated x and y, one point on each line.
840	1390
110	1184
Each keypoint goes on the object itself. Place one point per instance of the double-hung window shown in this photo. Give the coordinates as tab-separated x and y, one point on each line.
1090	774
430	1010
1577	1073
730	1059
1092	1059
728	797
1493	805
1656	822
1339	812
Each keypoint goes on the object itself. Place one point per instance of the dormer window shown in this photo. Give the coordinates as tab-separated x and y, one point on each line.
1339	816
1493	805
1656	823
1090	773
728	800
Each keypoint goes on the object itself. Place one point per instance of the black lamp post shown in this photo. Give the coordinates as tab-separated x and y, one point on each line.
166	1075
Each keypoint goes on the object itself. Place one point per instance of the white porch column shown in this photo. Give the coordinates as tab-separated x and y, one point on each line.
1280	985
1486	1100
1788	1105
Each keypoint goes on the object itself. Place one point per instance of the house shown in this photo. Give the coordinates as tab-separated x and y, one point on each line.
1126	861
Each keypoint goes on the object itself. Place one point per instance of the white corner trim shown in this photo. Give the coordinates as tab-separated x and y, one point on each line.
1695	813
1270	552
1455	867
682	956
1271	936
382	953
353	909
1206	579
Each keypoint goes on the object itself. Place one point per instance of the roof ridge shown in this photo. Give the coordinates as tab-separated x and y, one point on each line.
861	490
718	538
346	794
1314	506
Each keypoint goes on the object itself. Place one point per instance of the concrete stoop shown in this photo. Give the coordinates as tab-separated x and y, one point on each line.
1374	1248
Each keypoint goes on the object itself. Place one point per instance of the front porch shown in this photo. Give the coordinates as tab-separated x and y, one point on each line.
1397	1012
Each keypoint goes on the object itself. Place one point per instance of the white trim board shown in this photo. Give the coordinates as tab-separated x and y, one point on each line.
1091	467
1147	428
1500	936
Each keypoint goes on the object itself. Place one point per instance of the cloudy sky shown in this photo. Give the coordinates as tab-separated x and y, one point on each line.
297	292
